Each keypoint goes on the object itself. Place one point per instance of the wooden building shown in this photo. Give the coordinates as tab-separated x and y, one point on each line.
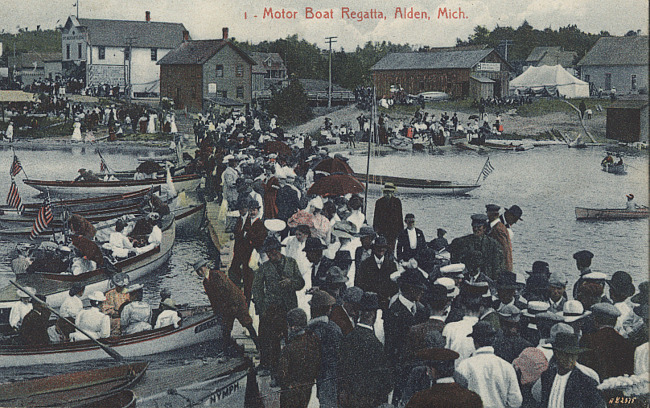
627	121
451	71
204	72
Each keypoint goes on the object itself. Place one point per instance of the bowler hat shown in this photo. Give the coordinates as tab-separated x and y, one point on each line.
352	294
540	267
515	210
314	244
366	231
270	243
567	343
491	208
413	277
321	298
482	330
436	354
621	282
381	242
369	302
642	296
507	280
199	264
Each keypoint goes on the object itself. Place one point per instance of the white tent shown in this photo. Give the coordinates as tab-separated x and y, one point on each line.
552	79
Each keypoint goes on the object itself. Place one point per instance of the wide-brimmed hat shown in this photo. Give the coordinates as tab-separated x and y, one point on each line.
270	243
510	313
388	186
450	286
366	231
199	264
321	298
642	296
567	343
169	304
433	354
369	302
515	210
621	282
335	275
540	267
275	225
482	330
453	269
97	296
381	242
412	277
25	292
535	307
314	244
572	311
507	280
531	364
120	279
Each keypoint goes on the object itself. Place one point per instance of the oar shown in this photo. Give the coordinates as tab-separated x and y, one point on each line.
114	354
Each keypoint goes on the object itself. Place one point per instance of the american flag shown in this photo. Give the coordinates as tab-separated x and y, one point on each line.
15	167
13	198
43	219
102	166
487	169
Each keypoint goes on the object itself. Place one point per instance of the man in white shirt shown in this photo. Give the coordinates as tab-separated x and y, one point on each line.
71	307
457	333
491	377
20	309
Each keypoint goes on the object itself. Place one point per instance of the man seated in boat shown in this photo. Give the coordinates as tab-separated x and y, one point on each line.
608	159
118	243
631	205
136	314
92	320
146	231
86	175
33	331
81	227
20	309
169	315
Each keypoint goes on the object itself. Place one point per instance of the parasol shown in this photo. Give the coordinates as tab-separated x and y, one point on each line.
89	249
301	217
276	146
336	185
333	165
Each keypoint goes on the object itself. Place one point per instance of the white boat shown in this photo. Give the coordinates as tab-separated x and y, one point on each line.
417	186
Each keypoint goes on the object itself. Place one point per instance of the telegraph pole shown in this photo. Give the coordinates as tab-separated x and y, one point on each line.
505	43
127	80
330	40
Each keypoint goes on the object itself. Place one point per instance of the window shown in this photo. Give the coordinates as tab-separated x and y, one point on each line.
67	51
634	82
154	54
239	70
127	54
240	92
222	94
102	52
608	81
212	88
79	50
219	71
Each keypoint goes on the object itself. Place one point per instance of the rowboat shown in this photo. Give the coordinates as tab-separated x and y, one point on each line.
199	325
184	182
620	169
123	399
217	384
72	389
610	214
189	219
56	286
419	186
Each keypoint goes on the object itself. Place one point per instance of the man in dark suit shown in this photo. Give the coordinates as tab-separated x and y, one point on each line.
367	236
374	273
445	392
410	241
419	335
610	354
387	219
345	315
319	263
489	251
563	385
405	312
364	374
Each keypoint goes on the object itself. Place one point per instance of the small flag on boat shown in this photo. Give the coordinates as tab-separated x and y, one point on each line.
487	169
43	219
15	167
102	166
13	198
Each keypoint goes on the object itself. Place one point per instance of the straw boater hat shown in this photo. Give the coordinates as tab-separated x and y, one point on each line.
450	285
97	296
388	186
510	313
534	308
573	310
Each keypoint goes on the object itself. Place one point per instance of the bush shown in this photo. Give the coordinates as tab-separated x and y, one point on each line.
290	105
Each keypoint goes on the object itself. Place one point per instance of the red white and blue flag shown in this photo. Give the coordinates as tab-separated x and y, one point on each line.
102	166
43	219
15	167
13	198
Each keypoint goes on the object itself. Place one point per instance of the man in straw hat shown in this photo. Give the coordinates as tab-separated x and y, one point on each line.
387	219
557	296
365	378
226	299
501	387
444	392
274	294
330	341
562	385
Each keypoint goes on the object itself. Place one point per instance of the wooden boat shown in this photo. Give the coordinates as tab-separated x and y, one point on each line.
199	324
56	286
619	169
183	182
217	384
610	214
122	399
463	145
421	186
189	219
72	389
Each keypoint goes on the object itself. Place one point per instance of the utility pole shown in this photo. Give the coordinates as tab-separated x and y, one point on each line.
505	43
77	5
330	40
127	80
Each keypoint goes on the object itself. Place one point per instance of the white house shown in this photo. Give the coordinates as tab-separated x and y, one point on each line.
119	52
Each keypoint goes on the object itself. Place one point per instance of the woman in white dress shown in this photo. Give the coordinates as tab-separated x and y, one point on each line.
172	123
9	133
76	133
151	126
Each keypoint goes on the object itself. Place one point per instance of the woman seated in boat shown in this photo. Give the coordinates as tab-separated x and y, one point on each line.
92	320
169	315
631	205
118	243
115	299
86	175
608	159
82	265
136	315
151	237
49	258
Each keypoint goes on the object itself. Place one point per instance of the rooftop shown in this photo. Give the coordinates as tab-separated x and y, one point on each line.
618	51
431	60
199	52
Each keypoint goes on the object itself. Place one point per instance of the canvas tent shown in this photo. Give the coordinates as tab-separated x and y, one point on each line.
550	79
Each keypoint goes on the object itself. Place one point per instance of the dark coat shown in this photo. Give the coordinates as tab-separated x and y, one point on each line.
448	395
372	279
404	251
364	377
330	337
358	253
339	316
509	347
33	330
491	260
318	277
419	336
580	391
610	354
297	370
387	219
287	202
397	322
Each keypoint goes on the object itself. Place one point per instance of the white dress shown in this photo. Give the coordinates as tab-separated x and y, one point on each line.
9	134
151	126
172	124
76	133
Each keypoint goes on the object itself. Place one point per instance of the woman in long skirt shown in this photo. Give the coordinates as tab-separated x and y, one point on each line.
76	133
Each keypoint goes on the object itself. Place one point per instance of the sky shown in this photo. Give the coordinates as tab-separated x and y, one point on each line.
205	18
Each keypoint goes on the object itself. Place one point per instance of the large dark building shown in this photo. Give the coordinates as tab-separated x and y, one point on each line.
460	73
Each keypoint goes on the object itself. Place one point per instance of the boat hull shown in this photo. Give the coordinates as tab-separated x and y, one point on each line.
417	186
610	214
620	169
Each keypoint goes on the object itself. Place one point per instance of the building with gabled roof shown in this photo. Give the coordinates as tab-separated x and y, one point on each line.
119	52
552	56
201	72
460	73
619	63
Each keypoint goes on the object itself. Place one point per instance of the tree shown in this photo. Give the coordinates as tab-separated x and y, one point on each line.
290	104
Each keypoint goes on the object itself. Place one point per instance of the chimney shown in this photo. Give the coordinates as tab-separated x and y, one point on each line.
147	16
225	33
186	36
